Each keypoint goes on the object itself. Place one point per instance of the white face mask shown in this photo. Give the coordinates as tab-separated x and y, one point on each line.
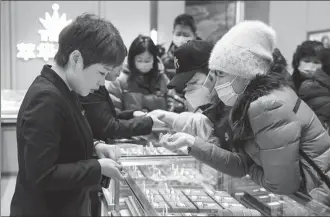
308	69
180	40
197	96
226	93
144	67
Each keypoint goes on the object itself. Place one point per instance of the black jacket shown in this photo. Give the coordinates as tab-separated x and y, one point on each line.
316	93
55	147
104	121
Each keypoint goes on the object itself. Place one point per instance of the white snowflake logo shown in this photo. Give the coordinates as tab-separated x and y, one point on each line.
53	25
49	37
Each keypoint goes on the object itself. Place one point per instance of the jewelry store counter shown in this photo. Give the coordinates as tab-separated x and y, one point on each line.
10	104
178	185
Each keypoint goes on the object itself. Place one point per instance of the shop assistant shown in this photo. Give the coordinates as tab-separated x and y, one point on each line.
55	142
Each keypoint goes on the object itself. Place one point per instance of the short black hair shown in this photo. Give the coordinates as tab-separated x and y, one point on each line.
140	45
306	49
98	41
185	20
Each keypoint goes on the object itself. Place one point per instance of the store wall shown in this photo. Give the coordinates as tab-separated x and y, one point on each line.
5	46
130	17
256	10
167	11
20	24
293	19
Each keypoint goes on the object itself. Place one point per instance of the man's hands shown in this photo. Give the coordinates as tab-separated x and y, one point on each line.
176	141
107	151
110	168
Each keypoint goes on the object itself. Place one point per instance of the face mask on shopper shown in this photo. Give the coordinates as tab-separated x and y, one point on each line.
144	67
308	69
180	40
197	96
227	94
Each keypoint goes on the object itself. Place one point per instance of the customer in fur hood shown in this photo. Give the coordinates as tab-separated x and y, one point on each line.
269	126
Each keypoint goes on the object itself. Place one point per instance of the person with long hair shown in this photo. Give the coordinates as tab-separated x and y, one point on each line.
276	134
143	83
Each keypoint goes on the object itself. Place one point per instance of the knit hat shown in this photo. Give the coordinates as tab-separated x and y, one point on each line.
245	50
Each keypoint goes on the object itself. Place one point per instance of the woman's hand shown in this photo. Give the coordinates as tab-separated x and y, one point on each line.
176	141
138	114
110	168
107	151
158	113
165	116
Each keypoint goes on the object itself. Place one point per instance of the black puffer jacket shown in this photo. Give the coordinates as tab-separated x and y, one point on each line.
316	93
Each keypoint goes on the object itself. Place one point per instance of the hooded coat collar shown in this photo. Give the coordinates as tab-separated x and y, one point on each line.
261	85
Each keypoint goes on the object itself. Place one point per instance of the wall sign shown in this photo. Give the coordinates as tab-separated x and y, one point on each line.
48	45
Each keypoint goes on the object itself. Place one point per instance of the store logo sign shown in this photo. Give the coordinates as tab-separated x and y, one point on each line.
48	45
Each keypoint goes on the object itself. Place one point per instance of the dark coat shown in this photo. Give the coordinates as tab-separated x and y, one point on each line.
316	93
139	92
104	121
55	148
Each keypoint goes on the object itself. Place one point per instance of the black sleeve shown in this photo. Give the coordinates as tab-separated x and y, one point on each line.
104	125
126	115
43	122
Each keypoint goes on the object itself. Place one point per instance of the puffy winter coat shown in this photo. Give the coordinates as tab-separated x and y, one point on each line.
269	134
316	93
140	92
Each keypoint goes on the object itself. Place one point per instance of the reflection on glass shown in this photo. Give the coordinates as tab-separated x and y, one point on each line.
11	101
176	186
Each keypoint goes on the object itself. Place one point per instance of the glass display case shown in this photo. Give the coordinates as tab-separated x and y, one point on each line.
182	186
145	146
10	103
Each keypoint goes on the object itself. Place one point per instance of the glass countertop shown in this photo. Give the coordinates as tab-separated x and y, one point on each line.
181	186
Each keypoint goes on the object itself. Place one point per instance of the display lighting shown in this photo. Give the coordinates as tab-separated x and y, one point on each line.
154	36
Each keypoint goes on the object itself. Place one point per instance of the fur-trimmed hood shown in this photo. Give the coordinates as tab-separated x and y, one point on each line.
270	131
260	86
